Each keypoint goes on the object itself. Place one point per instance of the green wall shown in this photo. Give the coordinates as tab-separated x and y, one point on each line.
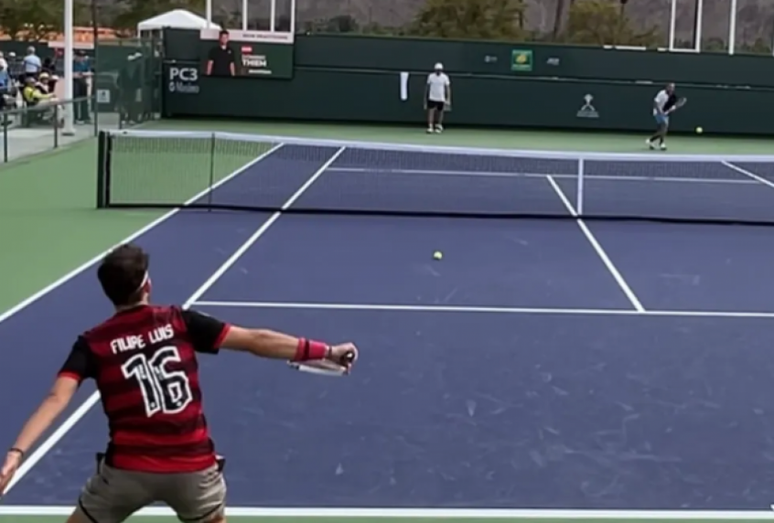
357	79
593	63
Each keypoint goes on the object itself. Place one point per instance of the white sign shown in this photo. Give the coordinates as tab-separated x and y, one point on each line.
183	80
103	96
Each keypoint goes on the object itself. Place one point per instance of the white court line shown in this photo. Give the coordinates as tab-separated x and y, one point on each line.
44	447
487	174
482	309
598	248
749	174
434	513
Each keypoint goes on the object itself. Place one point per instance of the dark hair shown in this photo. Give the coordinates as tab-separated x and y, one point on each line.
223	32
121	274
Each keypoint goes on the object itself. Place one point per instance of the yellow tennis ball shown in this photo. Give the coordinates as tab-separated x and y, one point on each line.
699	130
438	255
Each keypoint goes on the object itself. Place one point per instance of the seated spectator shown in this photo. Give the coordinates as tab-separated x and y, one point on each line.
33	95
44	83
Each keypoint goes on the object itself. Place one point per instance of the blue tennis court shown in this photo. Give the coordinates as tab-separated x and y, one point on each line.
542	364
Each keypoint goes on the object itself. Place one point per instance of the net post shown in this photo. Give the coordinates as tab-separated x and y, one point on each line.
213	139
579	196
5	136
102	169
57	115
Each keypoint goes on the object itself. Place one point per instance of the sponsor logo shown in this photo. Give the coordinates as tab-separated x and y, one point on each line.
587	110
184	80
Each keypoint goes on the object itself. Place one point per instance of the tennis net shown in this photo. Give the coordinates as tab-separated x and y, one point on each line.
170	169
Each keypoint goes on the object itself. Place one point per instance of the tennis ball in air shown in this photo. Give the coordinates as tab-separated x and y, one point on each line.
438	255
699	130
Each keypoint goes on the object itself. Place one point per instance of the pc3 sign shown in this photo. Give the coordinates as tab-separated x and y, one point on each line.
184	80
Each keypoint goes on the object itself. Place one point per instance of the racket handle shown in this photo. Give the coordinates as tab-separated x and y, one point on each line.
348	358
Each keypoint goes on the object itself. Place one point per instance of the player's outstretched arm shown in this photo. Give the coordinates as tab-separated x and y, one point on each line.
52	406
276	345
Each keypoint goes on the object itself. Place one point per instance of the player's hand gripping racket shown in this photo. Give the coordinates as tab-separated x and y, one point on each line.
336	366
678	104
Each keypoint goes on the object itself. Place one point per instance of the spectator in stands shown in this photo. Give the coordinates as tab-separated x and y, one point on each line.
43	83
6	85
49	66
32	63
5	77
81	73
5	82
33	95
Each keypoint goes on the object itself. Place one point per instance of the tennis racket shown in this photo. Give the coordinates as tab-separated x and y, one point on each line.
678	104
324	367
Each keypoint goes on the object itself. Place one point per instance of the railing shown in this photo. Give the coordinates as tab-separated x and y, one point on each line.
32	130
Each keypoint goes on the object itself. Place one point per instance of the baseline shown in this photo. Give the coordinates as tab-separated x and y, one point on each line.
479	309
437	513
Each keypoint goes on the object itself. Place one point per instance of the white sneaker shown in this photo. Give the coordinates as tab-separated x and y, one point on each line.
439	128
429	130
663	147
650	144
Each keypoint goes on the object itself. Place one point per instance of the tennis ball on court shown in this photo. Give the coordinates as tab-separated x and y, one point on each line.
699	130
438	255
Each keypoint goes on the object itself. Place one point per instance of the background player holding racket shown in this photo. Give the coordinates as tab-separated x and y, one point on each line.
665	102
144	362
437	98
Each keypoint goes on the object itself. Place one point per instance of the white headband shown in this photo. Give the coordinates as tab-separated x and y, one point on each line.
144	281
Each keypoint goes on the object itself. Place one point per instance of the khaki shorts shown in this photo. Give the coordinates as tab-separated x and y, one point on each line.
112	495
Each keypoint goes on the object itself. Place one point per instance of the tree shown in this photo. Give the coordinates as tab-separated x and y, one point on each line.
481	19
604	22
31	20
559	17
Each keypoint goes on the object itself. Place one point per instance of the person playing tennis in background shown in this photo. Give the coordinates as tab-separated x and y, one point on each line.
437	98
663	105
144	362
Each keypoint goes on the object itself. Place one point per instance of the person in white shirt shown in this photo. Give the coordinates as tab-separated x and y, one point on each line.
32	63
663	104
437	98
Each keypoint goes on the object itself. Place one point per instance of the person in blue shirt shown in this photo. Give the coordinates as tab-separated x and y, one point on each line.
32	63
5	79
81	73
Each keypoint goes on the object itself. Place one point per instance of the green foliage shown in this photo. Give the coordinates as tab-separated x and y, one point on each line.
132	12
604	22
760	46
337	24
483	19
31	19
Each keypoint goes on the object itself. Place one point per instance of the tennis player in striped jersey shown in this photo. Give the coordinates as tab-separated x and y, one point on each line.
663	104
144	362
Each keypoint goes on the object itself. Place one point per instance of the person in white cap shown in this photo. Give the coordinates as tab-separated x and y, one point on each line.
437	98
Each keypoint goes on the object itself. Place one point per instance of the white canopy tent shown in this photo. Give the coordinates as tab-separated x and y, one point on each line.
177	19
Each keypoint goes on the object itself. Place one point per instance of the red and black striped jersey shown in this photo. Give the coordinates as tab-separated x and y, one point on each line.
144	363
